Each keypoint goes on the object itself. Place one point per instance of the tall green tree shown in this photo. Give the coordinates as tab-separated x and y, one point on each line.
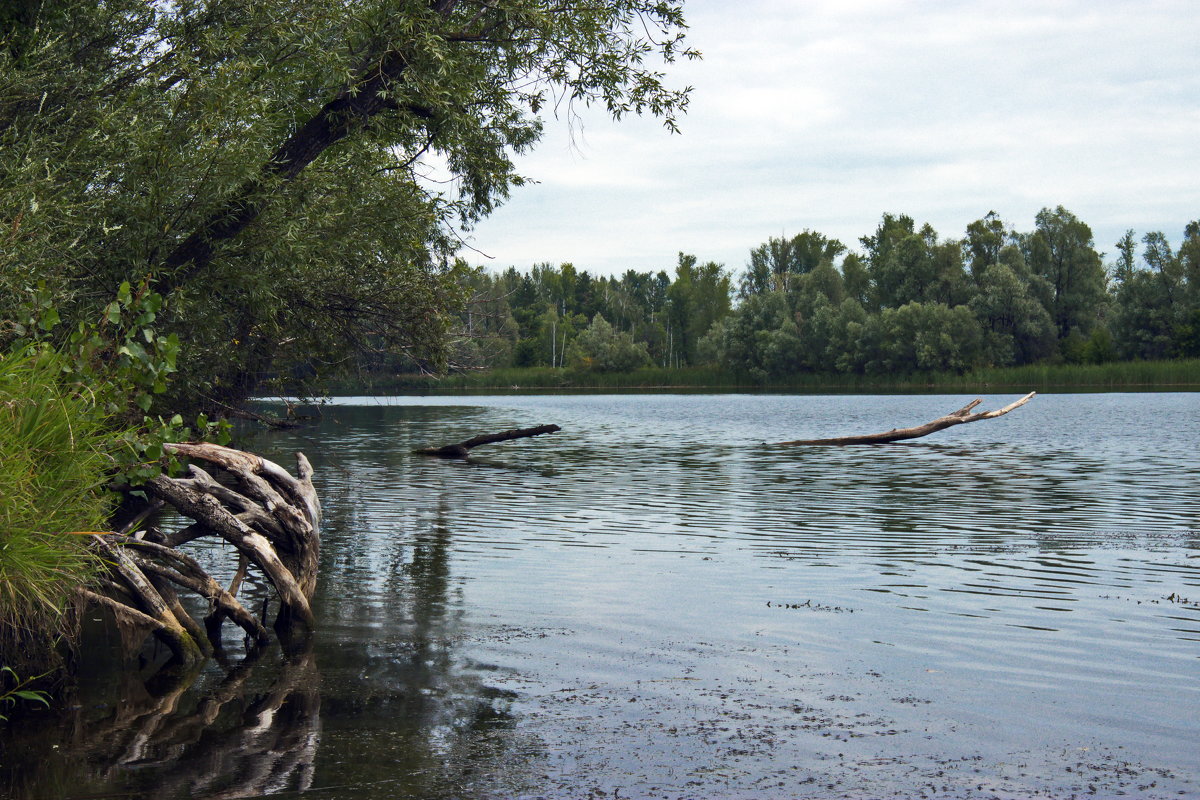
602	348
1061	251
1126	257
697	297
985	238
292	172
856	279
1153	313
1189	257
907	265
1016	328
923	337
773	263
1188	335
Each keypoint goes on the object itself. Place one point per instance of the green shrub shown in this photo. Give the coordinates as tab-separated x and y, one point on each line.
602	348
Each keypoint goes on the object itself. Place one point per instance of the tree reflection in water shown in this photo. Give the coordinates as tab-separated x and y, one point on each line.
396	712
408	713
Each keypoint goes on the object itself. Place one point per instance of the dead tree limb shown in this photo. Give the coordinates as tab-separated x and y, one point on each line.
963	415
463	449
256	547
167	624
185	571
291	501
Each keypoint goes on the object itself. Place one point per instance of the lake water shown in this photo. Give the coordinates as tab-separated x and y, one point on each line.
655	603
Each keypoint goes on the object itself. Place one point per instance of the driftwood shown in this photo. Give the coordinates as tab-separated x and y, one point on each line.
463	449
963	415
270	517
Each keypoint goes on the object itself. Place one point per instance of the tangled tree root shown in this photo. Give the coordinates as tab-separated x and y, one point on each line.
270	517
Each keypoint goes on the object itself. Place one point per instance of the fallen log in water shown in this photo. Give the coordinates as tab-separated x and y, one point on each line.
963	415
270	517
463	449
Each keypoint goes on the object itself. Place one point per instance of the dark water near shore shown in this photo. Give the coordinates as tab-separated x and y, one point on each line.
651	603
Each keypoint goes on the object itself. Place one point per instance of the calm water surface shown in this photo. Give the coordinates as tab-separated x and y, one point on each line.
654	603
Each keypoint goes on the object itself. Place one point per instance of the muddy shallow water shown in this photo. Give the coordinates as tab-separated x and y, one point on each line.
653	604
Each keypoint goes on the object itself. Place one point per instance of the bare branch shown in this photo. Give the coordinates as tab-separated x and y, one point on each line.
963	415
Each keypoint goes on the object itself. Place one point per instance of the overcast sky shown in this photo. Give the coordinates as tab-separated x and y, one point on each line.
825	114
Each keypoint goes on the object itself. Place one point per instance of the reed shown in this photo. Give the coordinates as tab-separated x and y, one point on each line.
52	470
1183	374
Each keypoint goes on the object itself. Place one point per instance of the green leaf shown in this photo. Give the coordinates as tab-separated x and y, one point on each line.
26	694
49	319
143	401
124	296
134	351
113	312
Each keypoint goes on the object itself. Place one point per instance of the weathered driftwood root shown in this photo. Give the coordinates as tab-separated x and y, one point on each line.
963	415
463	449
270	517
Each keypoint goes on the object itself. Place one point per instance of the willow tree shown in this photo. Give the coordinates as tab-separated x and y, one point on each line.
293	174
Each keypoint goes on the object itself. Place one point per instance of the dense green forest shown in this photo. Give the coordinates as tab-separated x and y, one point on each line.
906	301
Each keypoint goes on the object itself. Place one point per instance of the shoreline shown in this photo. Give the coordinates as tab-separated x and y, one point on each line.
1179	375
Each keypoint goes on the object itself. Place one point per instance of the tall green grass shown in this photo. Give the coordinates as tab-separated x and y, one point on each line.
52	470
1179	374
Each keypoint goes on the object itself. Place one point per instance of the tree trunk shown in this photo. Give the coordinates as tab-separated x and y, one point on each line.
963	415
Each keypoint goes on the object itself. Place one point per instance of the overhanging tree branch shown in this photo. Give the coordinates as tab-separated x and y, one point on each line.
354	106
337	119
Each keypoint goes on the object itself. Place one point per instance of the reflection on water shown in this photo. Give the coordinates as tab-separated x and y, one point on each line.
655	602
173	735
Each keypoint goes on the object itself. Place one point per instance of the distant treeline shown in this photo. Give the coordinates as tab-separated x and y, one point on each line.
907	301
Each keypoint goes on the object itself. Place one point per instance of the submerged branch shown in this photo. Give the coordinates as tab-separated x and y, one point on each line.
963	415
463	449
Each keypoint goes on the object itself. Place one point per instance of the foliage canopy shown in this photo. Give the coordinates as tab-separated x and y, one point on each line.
290	174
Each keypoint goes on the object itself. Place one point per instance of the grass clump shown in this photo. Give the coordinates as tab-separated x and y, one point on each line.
53	465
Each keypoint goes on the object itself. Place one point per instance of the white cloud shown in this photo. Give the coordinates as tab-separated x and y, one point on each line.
824	115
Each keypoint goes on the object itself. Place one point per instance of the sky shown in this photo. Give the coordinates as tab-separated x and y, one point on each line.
823	115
